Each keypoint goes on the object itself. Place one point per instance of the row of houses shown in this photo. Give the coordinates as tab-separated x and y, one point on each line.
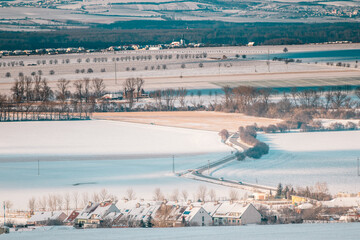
153	213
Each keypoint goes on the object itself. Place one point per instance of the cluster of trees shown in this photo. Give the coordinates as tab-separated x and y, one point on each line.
297	107
248	135
33	99
318	192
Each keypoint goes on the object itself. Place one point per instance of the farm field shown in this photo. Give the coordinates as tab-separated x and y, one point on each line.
189	68
346	231
203	120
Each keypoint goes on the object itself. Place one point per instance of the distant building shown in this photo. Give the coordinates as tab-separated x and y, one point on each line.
230	213
196	216
250	44
43	218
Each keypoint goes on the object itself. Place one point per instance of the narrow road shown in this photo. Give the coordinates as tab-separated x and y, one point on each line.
197	174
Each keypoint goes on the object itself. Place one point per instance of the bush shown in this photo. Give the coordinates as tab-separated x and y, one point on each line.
240	156
224	134
258	150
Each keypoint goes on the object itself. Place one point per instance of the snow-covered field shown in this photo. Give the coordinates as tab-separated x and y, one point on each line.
303	159
348	231
100	139
87	156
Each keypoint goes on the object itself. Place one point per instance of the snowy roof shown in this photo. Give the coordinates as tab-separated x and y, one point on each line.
342	202
209	207
190	212
46	216
231	209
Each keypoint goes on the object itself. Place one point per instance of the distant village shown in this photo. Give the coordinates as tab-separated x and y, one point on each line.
53	51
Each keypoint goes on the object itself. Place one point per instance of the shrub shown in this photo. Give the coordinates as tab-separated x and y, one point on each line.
224	134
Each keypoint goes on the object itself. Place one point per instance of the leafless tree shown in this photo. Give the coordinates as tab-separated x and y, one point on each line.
130	194
158	195
202	191
42	202
182	92
67	201
139	85
95	197
79	94
175	195
104	195
75	196
59	201
8	205
185	195
98	87
85	199
212	195
31	204
129	87
233	195
169	97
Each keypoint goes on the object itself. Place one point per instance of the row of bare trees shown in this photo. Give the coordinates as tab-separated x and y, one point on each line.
298	106
33	99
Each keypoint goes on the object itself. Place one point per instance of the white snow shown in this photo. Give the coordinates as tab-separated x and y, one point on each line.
103	139
344	231
302	159
87	156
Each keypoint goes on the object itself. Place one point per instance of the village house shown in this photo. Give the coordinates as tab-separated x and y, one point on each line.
94	213
234	213
43	218
71	218
196	216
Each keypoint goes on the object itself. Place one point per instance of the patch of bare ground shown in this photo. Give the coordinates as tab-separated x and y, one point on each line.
202	120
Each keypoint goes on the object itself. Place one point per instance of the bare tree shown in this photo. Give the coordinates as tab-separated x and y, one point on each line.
139	85
130	194
95	197
85	199
233	195
104	195
8	205
185	195
79	94
158	195
129	88
59	202
212	195
98	87
31	205
175	195
182	92
202	192
75	196
42	202
67	201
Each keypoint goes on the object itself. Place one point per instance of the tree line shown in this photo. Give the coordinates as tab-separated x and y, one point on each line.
298	108
33	99
160	32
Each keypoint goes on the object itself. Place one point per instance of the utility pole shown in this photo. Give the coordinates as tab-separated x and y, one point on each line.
115	73
358	170
173	166
4	213
38	167
208	167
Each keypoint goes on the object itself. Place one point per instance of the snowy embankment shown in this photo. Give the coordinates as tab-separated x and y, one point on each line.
344	231
136	156
302	159
99	139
